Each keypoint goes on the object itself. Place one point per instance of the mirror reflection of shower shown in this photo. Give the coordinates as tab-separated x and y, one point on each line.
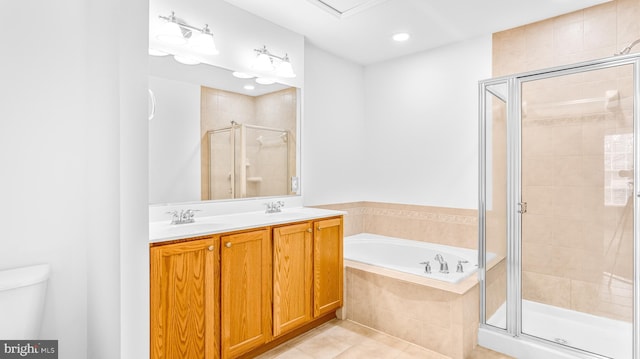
249	161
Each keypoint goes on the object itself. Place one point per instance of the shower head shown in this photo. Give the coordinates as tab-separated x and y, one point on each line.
628	48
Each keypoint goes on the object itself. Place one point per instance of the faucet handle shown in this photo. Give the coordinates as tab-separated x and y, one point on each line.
427	266
459	267
190	213
175	216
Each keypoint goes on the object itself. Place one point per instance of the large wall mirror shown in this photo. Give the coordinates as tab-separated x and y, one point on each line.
214	136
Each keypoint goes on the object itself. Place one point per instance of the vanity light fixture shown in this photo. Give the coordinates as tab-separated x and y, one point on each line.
264	62
176	31
203	41
170	31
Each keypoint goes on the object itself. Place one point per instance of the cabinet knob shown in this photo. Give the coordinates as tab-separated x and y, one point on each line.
228	244
210	248
309	230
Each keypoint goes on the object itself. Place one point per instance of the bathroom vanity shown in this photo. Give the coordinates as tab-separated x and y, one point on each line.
237	285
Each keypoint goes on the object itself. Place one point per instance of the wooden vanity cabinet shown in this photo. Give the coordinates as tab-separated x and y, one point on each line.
184	282
246	291
238	294
327	266
292	277
307	272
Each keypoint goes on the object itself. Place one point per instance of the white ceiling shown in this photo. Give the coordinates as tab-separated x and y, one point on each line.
360	30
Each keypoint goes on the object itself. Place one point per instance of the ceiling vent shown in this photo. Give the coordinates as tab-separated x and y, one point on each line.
345	8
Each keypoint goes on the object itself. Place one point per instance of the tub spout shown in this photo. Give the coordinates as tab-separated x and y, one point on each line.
444	266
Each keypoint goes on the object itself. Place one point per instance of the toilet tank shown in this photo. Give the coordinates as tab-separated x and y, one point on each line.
22	297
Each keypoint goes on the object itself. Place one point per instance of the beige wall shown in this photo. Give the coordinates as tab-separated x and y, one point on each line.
450	226
577	251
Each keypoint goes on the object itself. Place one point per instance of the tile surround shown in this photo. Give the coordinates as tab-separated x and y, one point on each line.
451	226
569	233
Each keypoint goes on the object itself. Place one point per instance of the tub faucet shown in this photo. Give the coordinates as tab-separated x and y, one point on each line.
444	266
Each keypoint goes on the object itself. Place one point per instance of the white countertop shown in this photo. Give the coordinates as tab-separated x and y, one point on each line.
165	231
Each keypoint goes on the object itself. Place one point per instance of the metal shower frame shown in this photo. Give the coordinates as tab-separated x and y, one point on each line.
513	148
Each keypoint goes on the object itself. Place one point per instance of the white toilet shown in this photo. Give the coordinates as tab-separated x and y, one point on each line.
22	296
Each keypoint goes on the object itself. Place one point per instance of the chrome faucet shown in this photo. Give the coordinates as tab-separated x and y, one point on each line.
460	268
444	266
183	216
427	267
274	207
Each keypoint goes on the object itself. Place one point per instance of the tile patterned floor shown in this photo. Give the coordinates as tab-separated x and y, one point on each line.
344	339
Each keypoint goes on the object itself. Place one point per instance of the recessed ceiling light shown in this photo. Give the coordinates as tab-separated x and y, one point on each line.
401	36
249	87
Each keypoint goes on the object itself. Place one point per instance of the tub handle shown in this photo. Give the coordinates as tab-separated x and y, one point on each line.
427	266
459	268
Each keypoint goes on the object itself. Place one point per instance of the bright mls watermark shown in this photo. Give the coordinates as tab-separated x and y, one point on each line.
31	349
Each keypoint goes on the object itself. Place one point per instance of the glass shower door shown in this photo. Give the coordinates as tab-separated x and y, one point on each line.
495	203
577	209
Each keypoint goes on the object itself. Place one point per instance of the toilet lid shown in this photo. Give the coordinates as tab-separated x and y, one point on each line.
23	276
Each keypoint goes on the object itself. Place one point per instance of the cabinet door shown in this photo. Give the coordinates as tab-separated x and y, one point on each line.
184	305
292	277
246	292
327	266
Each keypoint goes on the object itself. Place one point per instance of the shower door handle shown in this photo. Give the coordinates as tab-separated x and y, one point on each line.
523	207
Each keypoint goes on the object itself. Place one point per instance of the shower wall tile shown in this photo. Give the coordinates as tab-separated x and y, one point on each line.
574	243
546	289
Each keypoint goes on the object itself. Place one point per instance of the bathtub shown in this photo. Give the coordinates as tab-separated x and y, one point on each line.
386	288
410	256
604	336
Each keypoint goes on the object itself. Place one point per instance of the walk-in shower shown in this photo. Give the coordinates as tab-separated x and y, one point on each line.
558	204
